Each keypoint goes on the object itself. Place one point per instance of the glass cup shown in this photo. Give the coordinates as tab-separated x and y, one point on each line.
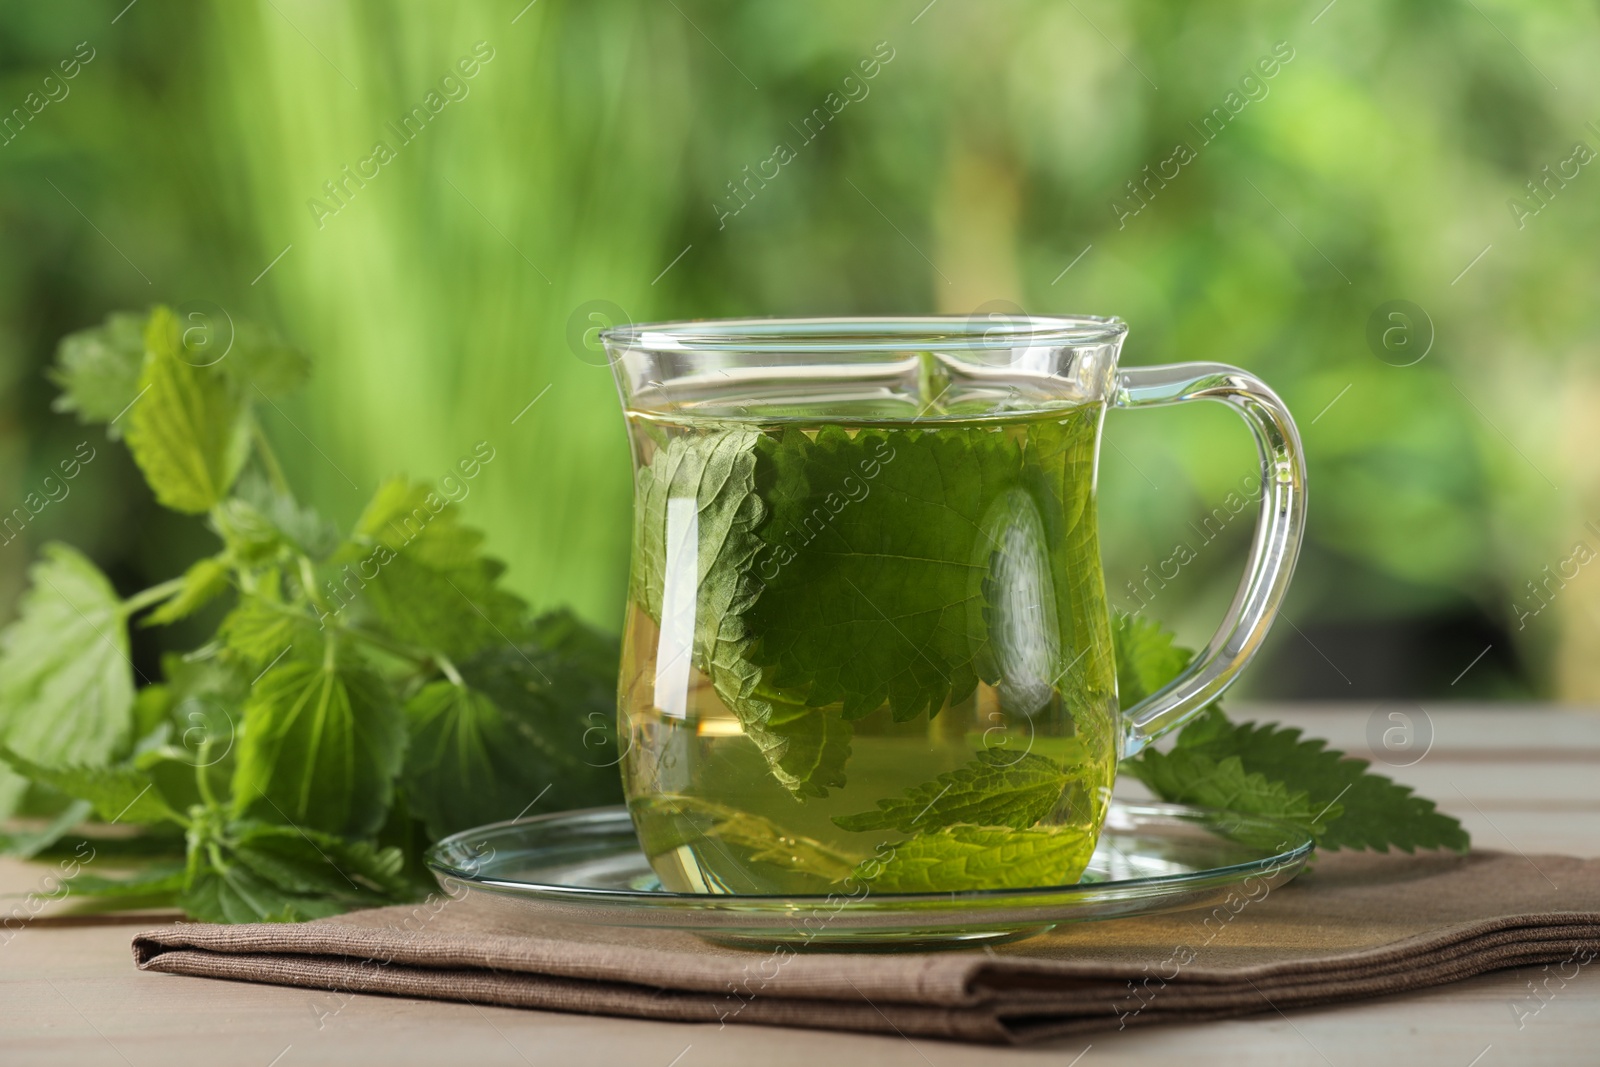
867	646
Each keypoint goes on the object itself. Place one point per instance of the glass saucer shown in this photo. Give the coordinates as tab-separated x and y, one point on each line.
585	867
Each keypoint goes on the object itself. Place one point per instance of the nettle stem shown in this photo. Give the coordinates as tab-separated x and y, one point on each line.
308	581
269	459
154	595
415	656
449	670
202	780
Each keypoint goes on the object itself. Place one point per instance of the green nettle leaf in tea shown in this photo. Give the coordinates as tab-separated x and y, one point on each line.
965	856
992	790
674	821
876	656
905	618
873	604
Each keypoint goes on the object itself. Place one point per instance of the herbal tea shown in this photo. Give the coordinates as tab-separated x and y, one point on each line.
872	653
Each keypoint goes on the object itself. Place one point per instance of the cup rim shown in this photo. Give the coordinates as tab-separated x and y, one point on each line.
938	333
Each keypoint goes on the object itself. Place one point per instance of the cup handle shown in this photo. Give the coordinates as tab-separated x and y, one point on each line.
1279	527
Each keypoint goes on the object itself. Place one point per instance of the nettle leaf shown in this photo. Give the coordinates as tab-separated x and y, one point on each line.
244	871
1377	812
466	763
321	745
203	582
670	821
258	359
1352	807
160	883
26	844
190	680
261	628
260	523
806	748
707	485
456	611
189	428
172	769
586	659
413	517
1190	776
119	794
542	714
981	857
902	566
1058	498
462	768
995	789
870	597
765	842
1381	814
66	679
421	572
151	706
98	369
1212	722
321	864
1147	659
237	894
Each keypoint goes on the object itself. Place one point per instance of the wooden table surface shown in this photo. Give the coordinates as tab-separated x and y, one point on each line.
1521	779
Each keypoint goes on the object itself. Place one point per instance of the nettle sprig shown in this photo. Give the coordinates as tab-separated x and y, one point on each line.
1267	769
363	694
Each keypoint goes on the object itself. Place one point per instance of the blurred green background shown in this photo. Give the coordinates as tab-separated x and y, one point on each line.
983	165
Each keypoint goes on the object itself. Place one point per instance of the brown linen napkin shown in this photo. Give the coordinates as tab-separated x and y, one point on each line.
1357	925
